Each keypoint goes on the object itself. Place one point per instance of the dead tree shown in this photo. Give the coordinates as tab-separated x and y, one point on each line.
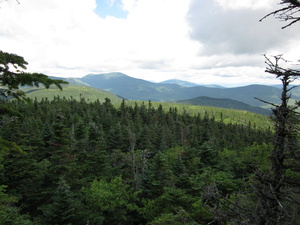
272	195
278	189
289	12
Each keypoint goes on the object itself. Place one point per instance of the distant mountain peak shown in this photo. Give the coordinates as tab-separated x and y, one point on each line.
108	75
189	84
137	89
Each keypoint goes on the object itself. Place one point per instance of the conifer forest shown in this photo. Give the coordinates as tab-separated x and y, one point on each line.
74	162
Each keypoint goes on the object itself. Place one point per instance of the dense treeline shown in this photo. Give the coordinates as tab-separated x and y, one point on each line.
78	162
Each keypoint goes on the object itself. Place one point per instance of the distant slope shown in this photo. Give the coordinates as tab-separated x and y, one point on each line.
138	89
246	94
134	89
224	103
71	91
179	82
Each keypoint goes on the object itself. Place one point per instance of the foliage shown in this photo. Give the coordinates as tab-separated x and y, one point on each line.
111	201
12	76
228	116
92	162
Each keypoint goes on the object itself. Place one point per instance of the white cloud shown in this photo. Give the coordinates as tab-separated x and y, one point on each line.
69	33
245	4
205	41
224	29
232	38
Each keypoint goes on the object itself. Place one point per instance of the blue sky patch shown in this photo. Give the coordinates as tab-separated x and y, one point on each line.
110	8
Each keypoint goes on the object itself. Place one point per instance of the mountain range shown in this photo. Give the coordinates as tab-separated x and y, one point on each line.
130	88
137	89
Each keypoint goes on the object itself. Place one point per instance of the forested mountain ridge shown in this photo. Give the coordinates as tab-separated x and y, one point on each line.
138	89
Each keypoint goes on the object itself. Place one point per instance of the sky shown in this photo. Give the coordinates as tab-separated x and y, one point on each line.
202	41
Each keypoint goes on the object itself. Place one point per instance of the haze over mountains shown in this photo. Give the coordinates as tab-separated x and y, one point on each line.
187	83
137	89
176	90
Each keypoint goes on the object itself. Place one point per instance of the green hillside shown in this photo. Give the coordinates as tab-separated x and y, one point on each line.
74	91
227	115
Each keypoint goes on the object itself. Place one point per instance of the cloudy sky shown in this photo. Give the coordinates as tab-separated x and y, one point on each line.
202	41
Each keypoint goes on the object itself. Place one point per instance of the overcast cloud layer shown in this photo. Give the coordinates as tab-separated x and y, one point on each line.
203	41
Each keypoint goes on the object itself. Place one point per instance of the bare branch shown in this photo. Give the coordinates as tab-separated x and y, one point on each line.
291	12
269	103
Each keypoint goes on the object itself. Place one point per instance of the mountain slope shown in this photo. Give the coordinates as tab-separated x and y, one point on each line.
138	89
246	94
134	89
71	91
224	103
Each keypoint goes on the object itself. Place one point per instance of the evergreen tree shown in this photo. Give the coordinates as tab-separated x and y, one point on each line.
63	207
12	76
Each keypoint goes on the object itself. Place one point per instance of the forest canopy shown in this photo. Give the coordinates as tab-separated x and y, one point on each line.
90	161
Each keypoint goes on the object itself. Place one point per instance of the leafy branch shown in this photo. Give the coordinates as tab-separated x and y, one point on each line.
12	76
